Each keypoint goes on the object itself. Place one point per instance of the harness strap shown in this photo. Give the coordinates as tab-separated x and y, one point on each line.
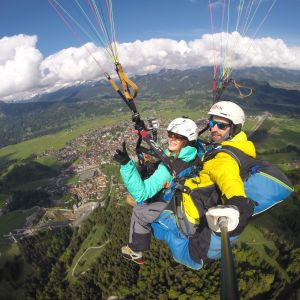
185	170
211	154
244	161
160	153
126	83
182	188
130	103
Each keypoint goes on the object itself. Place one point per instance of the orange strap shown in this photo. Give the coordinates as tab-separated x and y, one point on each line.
127	84
238	87
167	184
114	85
130	200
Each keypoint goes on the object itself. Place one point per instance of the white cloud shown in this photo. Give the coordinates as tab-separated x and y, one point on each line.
24	71
74	64
19	64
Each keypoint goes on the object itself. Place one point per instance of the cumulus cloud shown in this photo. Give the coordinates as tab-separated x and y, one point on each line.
19	64
74	64
24	71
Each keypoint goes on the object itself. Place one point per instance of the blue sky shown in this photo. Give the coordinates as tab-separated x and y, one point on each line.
139	19
39	54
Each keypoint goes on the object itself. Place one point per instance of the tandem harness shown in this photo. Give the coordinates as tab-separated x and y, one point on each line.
265	184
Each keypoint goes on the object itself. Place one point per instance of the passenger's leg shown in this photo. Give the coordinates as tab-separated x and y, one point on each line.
140	230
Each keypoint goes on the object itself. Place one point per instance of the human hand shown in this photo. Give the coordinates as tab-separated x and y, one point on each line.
121	156
230	212
246	209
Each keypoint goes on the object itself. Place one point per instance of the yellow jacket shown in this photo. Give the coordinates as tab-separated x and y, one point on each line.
219	177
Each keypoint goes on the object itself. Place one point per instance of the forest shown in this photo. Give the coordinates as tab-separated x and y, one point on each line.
50	255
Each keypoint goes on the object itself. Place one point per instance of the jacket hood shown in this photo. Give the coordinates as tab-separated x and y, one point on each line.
187	153
241	142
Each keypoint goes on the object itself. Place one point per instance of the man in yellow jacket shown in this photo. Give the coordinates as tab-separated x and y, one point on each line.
217	191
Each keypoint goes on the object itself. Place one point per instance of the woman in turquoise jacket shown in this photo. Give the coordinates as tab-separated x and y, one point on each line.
182	134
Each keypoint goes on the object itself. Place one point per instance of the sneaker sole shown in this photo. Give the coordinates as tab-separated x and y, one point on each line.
139	262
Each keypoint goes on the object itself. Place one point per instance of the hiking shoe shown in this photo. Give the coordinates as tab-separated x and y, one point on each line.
128	253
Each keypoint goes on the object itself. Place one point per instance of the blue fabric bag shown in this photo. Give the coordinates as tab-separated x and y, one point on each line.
267	185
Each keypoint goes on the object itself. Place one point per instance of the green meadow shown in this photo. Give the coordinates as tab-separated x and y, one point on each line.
279	132
14	220
254	238
89	250
56	141
9	222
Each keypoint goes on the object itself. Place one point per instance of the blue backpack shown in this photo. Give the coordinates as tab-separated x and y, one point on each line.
264	183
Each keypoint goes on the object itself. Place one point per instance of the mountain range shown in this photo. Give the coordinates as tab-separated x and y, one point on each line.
169	83
273	89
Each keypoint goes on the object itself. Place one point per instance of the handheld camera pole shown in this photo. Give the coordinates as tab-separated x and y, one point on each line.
229	288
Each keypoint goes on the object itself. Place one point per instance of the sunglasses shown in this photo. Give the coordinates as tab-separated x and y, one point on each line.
220	125
175	136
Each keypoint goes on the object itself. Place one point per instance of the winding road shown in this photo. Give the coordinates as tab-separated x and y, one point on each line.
82	255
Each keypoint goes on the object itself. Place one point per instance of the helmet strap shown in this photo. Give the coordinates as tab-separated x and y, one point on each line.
203	130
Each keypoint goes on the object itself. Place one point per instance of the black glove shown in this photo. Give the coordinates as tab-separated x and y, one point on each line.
140	125
122	156
246	209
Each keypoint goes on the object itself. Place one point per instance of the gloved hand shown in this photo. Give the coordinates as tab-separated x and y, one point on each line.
120	156
231	213
245	207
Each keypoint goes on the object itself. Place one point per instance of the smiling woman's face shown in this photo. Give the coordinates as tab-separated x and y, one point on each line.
175	142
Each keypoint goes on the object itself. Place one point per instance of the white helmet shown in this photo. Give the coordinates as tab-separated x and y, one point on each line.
185	127
228	110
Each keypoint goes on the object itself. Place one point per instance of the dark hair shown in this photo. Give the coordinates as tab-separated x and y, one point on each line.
235	129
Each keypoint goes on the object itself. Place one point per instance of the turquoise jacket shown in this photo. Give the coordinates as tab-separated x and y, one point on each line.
140	189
